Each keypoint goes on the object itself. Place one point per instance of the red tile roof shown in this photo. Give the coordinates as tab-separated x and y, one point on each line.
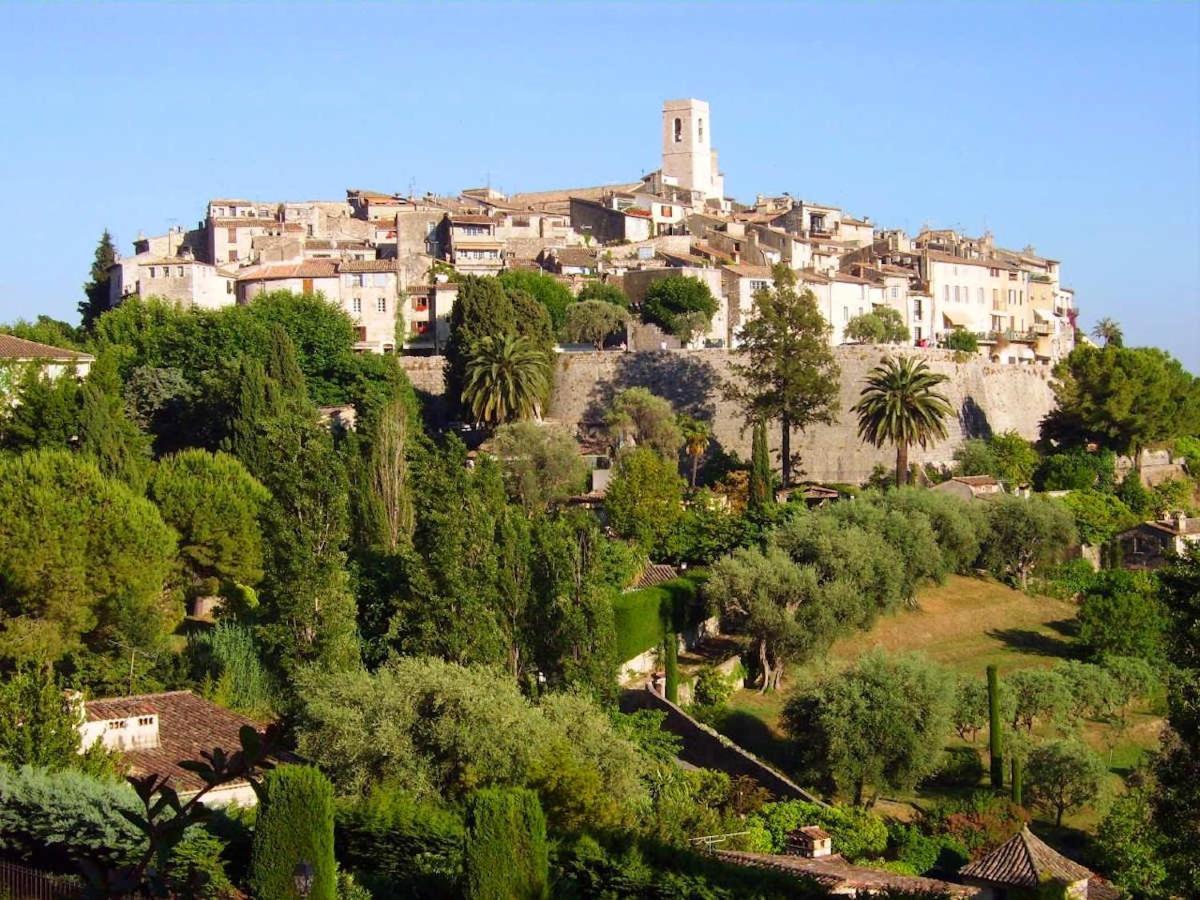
188	726
1024	861
12	347
312	268
836	874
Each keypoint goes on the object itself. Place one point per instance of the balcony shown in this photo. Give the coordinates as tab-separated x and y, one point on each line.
1021	337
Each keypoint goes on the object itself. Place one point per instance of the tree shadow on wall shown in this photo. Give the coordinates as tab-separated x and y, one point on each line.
692	385
974	420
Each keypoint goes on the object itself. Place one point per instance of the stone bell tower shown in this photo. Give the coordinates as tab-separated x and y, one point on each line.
688	159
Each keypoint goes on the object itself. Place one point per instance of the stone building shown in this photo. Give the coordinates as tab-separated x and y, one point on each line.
1025	866
688	160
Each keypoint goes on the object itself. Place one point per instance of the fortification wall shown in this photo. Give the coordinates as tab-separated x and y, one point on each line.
987	398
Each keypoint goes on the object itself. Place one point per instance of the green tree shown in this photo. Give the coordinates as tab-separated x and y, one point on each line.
106	432
1122	399
81	558
547	290
1063	776
1121	615
1109	332
1015	457
785	369
306	614
1177	767
679	305
865	328
1076	470
507	379
46	412
773	601
644	419
1026	533
900	405
39	729
879	726
294	826
605	292
975	457
1131	844
961	340
282	365
506	855
214	504
390	487
696	436
541	463
644	500
1036	695
593	321
761	495
95	292
481	309
1099	516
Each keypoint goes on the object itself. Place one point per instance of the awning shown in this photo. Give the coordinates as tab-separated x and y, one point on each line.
1040	316
958	320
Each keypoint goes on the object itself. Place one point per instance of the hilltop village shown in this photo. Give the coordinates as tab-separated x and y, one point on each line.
389	260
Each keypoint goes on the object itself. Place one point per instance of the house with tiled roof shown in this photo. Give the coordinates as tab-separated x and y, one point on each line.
1024	865
158	734
1149	545
53	361
841	878
971	487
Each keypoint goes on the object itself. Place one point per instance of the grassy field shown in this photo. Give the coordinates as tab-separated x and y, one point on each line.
965	625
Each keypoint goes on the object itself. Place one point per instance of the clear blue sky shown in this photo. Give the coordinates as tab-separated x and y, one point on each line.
1072	127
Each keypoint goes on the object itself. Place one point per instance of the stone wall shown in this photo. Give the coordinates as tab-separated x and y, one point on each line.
987	397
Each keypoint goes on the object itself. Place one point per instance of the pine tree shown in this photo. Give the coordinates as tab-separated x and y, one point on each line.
96	290
759	499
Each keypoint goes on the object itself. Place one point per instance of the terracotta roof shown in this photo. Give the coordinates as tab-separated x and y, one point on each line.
578	257
12	347
367	265
838	875
535	198
990	263
188	725
1024	860
655	573
846	278
750	271
312	268
977	480
848	220
471	220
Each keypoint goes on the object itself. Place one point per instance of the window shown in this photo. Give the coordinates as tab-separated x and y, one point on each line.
1012	296
380	279
995	296
309	229
146	720
756	286
152	271
667	212
995	273
895	292
420	304
1020	298
179	271
947	293
233	256
956	293
475	230
701	124
356	304
981	299
381	304
845	314
678	130
231	235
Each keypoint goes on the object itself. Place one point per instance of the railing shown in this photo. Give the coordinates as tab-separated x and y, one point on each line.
21	883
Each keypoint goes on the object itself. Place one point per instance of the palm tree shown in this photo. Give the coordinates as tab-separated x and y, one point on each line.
696	433
899	404
1109	331
507	378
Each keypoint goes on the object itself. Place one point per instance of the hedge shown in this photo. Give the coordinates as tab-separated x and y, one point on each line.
295	824
641	618
506	856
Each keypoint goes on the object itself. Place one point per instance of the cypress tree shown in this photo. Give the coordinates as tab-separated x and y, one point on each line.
506	856
255	403
106	432
282	366
759	499
95	292
995	741
670	652
294	825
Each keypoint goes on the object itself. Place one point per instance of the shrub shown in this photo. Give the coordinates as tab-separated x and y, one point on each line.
712	688
961	340
295	824
227	659
196	869
962	767
391	840
1076	470
922	852
48	819
978	822
506	856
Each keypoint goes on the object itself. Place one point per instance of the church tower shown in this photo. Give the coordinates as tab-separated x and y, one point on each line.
688	159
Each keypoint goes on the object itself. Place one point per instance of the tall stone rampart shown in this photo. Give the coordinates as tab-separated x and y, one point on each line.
986	397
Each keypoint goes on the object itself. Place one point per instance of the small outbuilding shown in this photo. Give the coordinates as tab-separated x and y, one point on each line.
1024	865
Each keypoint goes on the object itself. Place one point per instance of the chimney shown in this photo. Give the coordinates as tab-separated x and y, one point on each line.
1181	521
